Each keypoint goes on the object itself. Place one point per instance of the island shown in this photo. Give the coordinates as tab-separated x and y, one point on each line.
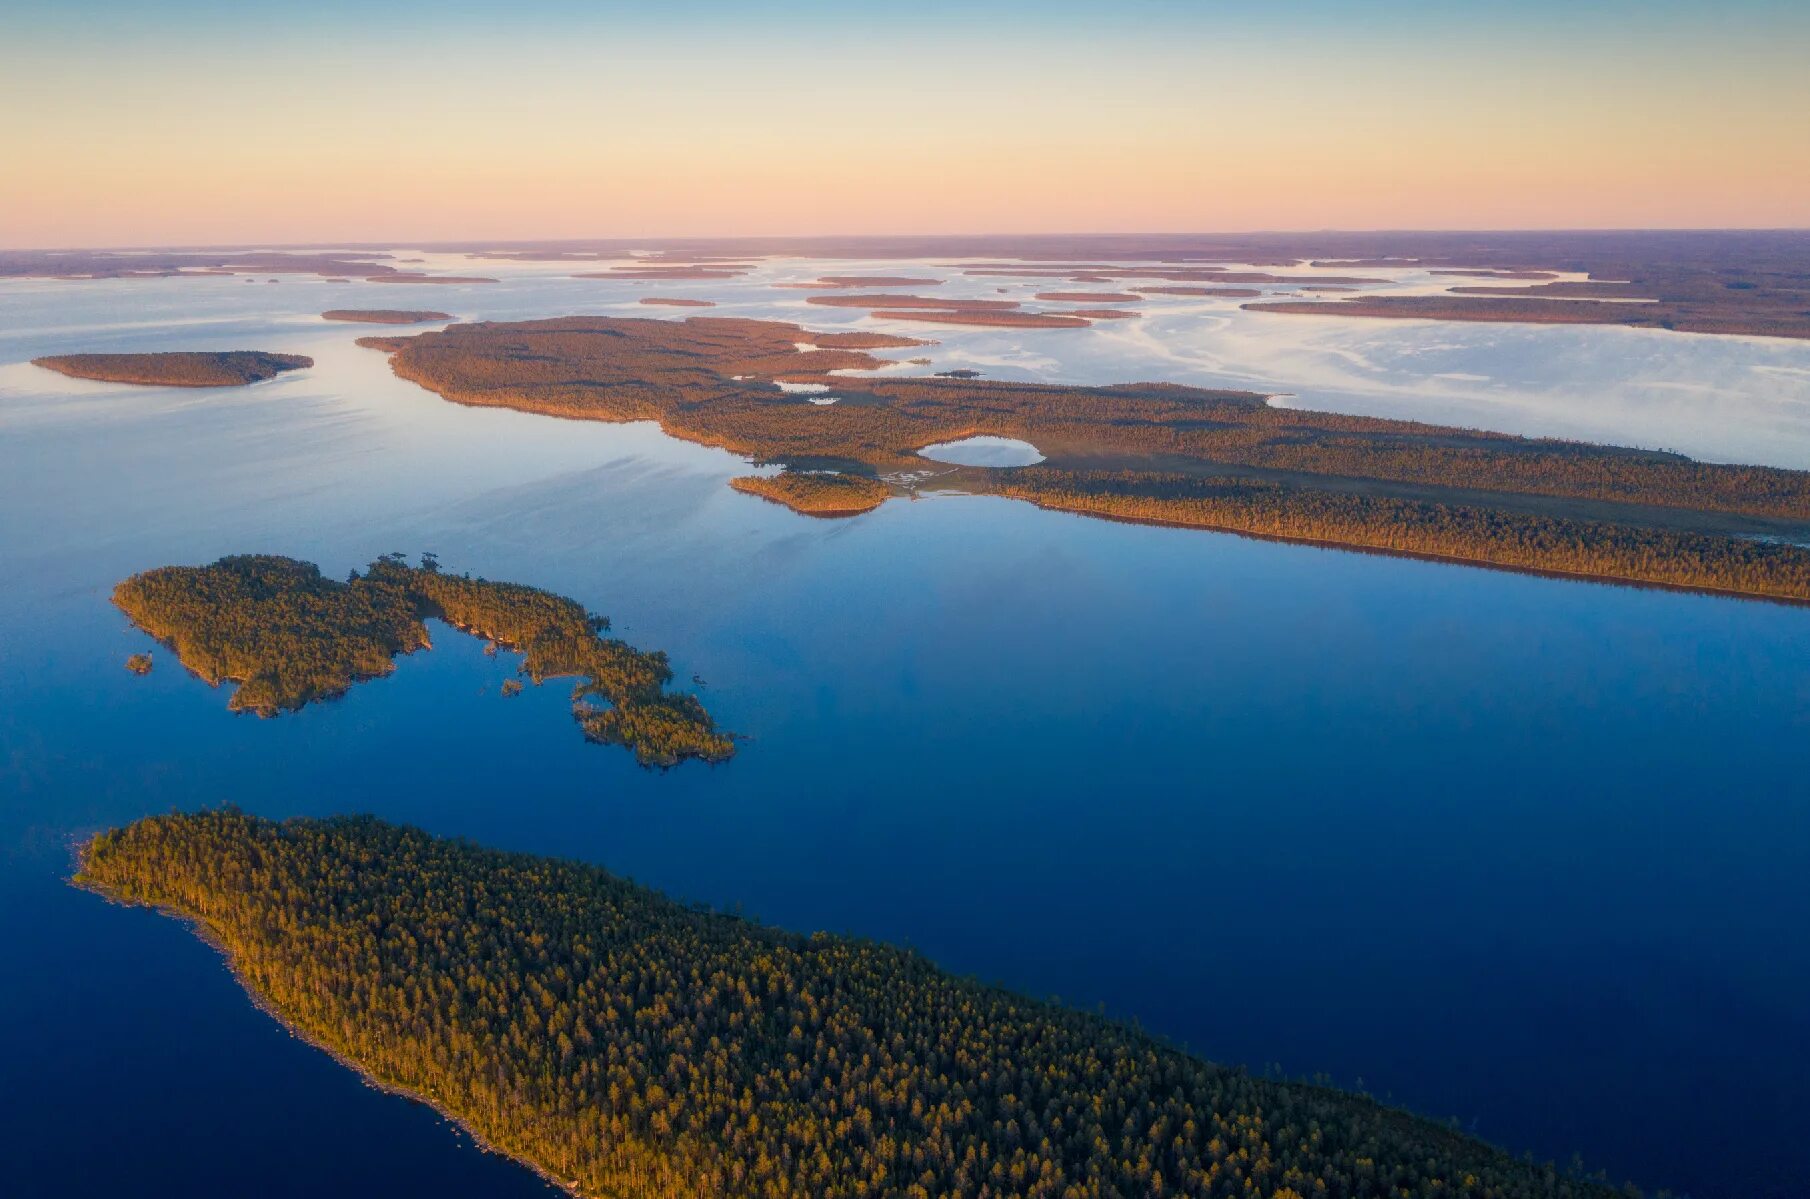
417	277
624	1044
1724	282
1225	460
632	273
1457	306
1234	292
178	368
385	316
816	492
989	319
139	663
289	636
136	264
1089	297
947	303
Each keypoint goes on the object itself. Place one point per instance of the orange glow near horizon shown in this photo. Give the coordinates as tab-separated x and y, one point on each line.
465	137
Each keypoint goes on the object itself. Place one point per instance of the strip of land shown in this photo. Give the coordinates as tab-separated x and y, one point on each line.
178	368
1398	486
1732	282
630	1046
385	316
942	303
413	277
1089	297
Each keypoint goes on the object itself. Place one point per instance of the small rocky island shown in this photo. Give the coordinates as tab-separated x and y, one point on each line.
289	636
181	368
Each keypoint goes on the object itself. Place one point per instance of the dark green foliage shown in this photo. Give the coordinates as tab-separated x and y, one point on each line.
636	1047
285	633
289	637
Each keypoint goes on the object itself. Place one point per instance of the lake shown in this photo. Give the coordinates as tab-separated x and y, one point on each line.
1524	852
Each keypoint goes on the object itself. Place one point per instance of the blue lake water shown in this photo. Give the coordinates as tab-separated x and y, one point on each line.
1526	852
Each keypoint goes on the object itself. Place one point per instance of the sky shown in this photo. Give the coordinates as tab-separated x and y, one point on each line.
204	122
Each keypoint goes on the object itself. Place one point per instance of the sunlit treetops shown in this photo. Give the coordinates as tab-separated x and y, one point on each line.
817	492
183	368
1459	532
1533	504
289	636
631	1046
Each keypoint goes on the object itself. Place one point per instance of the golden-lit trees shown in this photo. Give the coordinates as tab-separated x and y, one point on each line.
1468	533
644	1048
290	636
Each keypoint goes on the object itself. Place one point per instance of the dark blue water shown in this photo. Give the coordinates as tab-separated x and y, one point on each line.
1524	852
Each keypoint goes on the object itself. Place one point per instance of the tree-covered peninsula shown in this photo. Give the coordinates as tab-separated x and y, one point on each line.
290	636
628	1045
1182	455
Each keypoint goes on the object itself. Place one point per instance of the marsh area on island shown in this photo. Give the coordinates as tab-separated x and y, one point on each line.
1494	756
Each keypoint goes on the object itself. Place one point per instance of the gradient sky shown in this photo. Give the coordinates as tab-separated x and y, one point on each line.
200	121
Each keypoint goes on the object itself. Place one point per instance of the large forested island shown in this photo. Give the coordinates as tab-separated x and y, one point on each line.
1143	451
290	636
177	368
630	1046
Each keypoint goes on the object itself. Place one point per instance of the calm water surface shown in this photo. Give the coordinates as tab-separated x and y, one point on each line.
1524	852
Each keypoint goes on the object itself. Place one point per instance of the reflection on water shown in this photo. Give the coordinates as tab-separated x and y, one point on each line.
1523	851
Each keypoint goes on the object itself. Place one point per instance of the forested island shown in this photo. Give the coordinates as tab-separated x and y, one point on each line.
180	368
817	492
289	636
627	1045
385	316
1180	455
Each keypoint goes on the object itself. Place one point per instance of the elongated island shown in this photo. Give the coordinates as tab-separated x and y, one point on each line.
289	636
177	368
630	1046
385	316
1153	452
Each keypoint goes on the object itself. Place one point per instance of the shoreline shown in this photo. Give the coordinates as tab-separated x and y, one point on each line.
209	936
1545	572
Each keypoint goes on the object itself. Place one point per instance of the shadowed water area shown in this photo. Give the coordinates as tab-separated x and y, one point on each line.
1522	851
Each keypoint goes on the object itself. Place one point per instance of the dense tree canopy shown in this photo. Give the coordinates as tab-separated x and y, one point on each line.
290	636
1465	532
1130	449
636	1047
177	368
817	492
